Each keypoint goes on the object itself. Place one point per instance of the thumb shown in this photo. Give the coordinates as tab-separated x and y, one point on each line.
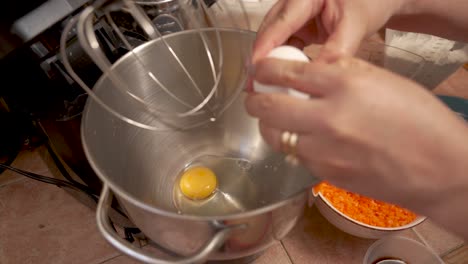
315	78
281	23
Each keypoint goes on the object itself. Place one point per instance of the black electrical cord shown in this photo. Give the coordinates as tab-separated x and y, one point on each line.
59	183
64	171
128	231
11	157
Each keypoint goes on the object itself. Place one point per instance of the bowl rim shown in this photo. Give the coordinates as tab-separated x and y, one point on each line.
375	246
419	219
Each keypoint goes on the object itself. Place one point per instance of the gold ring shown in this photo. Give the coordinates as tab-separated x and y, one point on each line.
293	143
285	141
288	145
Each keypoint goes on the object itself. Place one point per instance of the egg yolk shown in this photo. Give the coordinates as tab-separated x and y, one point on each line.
198	183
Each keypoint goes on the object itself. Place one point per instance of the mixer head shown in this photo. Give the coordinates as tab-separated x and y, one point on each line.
185	81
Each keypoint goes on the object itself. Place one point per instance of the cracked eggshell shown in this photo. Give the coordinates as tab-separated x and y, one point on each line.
285	53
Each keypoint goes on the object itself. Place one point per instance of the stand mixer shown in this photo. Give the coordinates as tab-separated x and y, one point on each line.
194	104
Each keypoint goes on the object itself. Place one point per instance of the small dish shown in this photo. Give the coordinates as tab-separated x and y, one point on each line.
398	249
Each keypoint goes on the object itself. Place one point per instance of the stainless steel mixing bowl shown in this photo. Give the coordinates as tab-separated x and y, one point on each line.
142	166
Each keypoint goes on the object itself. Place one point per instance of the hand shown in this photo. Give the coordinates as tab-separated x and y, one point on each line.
340	24
367	130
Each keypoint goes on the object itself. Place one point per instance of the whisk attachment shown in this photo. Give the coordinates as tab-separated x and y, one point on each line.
178	80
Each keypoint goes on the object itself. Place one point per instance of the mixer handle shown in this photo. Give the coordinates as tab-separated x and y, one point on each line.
105	227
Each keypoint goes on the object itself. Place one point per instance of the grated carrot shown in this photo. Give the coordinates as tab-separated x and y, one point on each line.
364	209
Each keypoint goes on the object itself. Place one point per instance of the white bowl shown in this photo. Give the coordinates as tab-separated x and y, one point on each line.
401	248
354	227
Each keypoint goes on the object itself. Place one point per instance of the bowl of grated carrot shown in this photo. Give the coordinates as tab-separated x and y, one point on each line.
361	216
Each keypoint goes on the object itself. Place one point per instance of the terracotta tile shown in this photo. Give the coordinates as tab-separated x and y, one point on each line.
28	160
275	254
8	177
40	223
140	241
458	256
315	240
440	240
121	260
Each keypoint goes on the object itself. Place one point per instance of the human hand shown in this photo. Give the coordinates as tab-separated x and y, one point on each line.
341	25
366	129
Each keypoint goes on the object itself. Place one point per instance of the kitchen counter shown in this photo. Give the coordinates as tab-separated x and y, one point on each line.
314	240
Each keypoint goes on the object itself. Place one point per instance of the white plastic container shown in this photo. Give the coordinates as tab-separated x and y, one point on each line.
443	57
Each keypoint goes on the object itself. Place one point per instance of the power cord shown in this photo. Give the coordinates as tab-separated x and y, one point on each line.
129	232
72	184
9	160
59	183
63	170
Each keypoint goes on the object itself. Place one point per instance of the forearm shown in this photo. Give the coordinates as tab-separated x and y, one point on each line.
443	18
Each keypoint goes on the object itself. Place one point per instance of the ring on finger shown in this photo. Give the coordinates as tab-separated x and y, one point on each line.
288	145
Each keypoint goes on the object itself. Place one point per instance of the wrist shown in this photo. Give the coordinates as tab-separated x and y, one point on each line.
451	212
412	7
449	207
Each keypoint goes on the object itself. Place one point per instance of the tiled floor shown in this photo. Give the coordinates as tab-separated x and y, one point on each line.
40	223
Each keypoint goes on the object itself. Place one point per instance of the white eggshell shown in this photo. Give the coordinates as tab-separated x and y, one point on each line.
285	53
288	53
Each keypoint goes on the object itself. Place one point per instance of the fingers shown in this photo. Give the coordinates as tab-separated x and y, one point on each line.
284	112
306	142
307	34
315	79
271	135
271	15
321	80
281	22
345	38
